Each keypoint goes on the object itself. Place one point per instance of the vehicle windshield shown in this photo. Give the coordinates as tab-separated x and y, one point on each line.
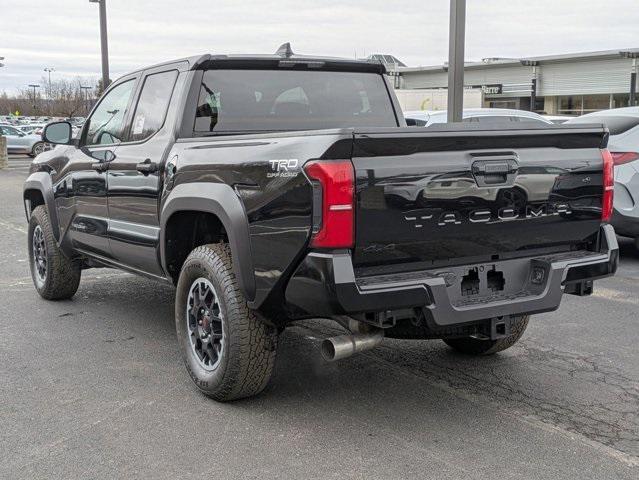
280	100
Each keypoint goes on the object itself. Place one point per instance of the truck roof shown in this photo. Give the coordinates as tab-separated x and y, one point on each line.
283	58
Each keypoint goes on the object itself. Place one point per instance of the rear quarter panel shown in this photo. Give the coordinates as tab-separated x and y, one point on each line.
266	174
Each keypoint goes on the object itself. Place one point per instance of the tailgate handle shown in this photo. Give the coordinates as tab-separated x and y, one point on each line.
495	172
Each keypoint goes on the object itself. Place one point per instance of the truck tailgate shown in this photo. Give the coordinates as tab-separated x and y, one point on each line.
449	194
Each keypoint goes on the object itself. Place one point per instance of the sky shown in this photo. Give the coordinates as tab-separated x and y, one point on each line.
64	34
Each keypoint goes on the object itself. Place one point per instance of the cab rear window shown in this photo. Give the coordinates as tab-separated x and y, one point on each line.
276	100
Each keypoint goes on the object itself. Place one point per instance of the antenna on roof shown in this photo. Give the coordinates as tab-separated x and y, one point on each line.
285	50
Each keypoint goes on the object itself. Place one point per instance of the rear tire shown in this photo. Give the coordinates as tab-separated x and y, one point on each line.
55	276
475	346
228	352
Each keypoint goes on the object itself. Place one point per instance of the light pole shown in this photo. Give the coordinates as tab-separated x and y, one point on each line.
85	89
103	43
533	82
633	55
456	39
34	97
49	70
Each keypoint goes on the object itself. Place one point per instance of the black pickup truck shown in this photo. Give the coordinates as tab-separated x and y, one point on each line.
275	188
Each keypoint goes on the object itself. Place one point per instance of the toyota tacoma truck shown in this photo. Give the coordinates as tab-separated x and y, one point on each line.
275	188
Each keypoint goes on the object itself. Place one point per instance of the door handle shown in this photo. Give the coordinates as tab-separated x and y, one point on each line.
147	166
100	166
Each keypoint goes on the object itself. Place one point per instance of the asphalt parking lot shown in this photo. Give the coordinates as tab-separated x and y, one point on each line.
95	388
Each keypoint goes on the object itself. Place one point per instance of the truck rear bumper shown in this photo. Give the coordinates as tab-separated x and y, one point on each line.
325	285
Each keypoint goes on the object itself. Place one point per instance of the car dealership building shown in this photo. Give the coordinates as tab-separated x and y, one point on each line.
570	84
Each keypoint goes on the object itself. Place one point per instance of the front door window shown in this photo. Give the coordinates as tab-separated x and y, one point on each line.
106	125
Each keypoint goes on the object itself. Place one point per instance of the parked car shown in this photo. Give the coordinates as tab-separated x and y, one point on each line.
558	119
20	142
484	116
623	124
31	129
77	130
255	184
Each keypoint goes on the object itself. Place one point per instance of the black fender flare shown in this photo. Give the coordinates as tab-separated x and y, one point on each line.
41	181
222	201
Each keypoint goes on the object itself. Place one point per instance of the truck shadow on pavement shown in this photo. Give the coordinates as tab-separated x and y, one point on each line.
424	381
627	248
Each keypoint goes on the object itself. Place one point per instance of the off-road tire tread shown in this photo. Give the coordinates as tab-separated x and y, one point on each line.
63	274
474	346
254	342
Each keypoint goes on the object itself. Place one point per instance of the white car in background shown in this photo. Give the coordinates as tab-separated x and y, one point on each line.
623	124
31	129
483	116
441	188
558	119
19	142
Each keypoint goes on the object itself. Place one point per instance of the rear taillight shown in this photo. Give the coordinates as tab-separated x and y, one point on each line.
619	158
608	185
333	223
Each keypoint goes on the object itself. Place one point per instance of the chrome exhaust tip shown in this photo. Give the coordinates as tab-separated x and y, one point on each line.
343	346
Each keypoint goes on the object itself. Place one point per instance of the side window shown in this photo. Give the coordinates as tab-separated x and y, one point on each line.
493	119
530	120
153	104
10	131
106	125
415	122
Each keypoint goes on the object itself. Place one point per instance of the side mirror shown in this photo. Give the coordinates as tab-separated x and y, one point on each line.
59	133
410	122
102	156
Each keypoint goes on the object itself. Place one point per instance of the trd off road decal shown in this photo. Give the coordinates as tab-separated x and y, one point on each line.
287	167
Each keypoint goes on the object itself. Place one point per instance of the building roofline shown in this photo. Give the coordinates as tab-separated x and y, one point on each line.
517	62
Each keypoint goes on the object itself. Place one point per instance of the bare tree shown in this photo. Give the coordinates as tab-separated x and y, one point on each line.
65	98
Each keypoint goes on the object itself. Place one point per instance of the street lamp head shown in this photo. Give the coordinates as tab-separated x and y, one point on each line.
34	86
94	1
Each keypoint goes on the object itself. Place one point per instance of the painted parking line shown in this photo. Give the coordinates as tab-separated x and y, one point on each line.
12	226
615	296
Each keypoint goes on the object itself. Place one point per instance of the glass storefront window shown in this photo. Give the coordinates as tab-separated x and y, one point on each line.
580	104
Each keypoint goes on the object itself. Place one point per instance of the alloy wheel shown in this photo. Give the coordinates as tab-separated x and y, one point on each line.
39	248
38	148
204	324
